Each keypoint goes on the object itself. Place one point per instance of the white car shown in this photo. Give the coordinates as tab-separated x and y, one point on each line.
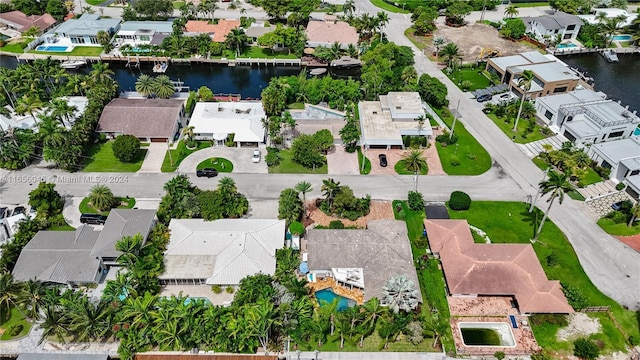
256	156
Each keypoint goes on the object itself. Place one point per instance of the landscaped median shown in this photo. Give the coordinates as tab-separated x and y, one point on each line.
366	168
119	203
174	157
222	165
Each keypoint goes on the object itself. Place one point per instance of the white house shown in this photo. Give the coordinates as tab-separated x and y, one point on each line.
623	158
82	31
143	32
218	120
586	117
552	25
26	121
609	13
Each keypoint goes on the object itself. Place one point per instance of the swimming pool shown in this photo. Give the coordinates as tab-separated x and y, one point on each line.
54	48
567	45
486	334
636	131
621	37
327	296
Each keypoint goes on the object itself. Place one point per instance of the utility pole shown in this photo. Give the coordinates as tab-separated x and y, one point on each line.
364	158
484	7
455	117
535	199
169	151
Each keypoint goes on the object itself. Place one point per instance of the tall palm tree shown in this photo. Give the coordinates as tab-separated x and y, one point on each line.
330	188
187	132
382	19
50	132
511	11
336	50
140	310
451	54
556	184
9	292
55	324
163	87
237	39
145	85
524	82
635	213
101	198
349	7
60	109
86	319
100	73
130	248
373	311
29	105
304	187
32	297
399	293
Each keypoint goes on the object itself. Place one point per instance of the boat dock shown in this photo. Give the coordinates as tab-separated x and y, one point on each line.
573	51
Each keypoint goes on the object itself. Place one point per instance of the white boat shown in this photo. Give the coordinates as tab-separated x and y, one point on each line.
160	68
73	64
318	71
610	55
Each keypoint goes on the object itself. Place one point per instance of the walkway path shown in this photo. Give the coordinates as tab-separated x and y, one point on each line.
153	159
534	148
240	157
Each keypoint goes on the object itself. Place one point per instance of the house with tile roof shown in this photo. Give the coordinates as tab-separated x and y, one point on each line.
328	31
83	30
474	270
217	31
18	21
221	252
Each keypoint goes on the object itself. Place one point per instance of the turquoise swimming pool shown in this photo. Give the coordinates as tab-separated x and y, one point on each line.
636	132
567	45
53	48
621	37
327	296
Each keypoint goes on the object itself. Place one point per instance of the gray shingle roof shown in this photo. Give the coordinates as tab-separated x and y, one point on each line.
121	223
141	117
87	24
382	251
558	20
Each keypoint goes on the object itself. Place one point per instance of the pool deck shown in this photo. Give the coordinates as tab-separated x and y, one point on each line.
353	294
480	306
525	341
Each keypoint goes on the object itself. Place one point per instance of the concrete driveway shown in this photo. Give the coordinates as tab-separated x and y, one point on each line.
240	157
154	158
340	162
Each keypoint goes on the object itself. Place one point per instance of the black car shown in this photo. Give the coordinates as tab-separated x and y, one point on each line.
207	172
383	160
19	210
483	98
93	219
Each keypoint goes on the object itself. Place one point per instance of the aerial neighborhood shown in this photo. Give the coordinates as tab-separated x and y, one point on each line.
250	179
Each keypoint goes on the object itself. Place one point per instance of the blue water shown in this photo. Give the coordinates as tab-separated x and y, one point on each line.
621	37
636	131
327	296
189	300
52	48
569	45
139	50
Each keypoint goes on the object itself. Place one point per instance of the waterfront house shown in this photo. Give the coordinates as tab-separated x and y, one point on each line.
550	75
497	270
256	30
586	117
136	33
622	157
18	21
221	252
328	31
26	121
216	121
218	32
150	120
383	123
82	30
609	13
551	25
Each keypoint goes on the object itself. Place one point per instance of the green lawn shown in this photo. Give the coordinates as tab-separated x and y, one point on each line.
530	4
420	41
221	164
388	7
77	51
103	160
473	158
619	229
510	222
287	166
95	2
475	76
15	317
125	203
179	153
15	46
178	4
520	136
401	168
296	106
588	178
65	227
367	163
261	53
335	8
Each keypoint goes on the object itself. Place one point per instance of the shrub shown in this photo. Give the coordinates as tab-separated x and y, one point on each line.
416	201
603	172
15	329
471	156
421	242
575	297
585	349
336	224
499	355
454	160
553	319
620	186
459	201
402	215
540	356
229	290
217	289
272	158
296	228
126	147
634	341
230	140
447	138
552	259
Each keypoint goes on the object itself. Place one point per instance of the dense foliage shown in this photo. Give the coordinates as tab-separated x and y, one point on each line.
350	132
585	349
416	201
126	148
308	150
382	68
46	200
339	201
56	8
424	19
459	201
513	29
277	9
433	91
290	205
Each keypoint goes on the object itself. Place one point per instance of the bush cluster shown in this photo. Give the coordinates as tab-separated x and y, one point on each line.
446	138
273	157
416	201
574	296
126	147
336	224
585	349
554	319
459	201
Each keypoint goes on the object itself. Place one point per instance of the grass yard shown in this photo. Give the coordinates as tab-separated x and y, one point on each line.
65	227
296	106
95	2
15	46
103	160
261	53
401	168
287	166
367	163
180	153
15	317
530	4
178	4
125	203
221	164
388	7
612	228
475	76
77	51
520	136
510	222
472	157
420	41
586	179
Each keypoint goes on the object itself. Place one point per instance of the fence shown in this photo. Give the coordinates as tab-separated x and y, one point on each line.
596	309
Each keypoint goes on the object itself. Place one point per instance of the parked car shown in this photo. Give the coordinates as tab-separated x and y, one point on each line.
93	219
483	98
383	160
3	212
19	210
622	205
256	156
207	172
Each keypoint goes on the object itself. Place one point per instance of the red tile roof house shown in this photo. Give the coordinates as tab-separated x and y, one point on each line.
217	31
328	31
17	20
150	120
512	270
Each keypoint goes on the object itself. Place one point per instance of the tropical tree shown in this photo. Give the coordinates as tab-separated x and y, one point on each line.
438	41
100	74
635	213
290	207
32	297
55	324
349	7
9	292
52	135
399	293
163	87
130	248
29	104
145	85
237	39
451	53
101	198
304	187
60	109
330	189
524	82
382	19
556	184
372	312
511	11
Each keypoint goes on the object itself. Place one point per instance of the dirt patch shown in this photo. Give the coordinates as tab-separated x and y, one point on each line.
580	324
378	210
472	38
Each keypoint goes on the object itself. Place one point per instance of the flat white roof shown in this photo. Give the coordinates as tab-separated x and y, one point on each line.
573	97
619	149
352	276
243	118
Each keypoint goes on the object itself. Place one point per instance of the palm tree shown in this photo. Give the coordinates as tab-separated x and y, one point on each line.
50	132
511	11
556	184
163	87
28	105
101	198
188	132
60	109
226	184
399	293
409	76
349	7
414	160
635	212
145	85
438	41
9	292
103	37
130	248
140	310
32	297
330	188
450	53
335	49
382	19
524	82
373	311
236	39
54	325
304	187
86	319
100	73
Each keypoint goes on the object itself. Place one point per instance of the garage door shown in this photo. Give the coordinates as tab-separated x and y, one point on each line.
163	140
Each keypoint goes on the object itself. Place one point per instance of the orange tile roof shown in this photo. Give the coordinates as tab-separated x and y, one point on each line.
25	22
494	269
328	32
219	30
